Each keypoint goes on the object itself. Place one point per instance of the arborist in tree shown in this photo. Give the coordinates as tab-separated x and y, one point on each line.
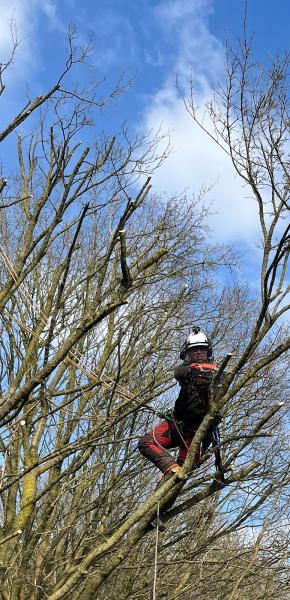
194	376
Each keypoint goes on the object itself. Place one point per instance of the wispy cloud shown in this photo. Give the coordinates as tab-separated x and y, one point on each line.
196	161
19	20
116	42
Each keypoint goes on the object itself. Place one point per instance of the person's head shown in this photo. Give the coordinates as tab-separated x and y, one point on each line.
197	347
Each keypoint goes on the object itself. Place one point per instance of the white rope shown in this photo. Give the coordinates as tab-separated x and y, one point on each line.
156	555
154	437
180	434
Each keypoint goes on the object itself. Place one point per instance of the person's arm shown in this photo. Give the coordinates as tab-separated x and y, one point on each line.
181	373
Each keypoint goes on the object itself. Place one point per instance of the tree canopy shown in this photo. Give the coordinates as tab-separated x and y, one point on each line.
101	278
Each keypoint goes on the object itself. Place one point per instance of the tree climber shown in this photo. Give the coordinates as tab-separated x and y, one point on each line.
194	376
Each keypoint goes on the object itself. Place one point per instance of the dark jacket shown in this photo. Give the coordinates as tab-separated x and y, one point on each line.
192	403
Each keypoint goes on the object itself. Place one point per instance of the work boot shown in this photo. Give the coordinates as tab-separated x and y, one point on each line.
172	470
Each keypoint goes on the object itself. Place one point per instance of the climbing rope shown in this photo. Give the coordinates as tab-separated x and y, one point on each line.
179	432
156	555
175	423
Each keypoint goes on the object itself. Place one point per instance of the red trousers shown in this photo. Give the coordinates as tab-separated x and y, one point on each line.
154	445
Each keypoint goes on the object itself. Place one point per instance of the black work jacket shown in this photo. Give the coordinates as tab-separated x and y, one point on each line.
192	403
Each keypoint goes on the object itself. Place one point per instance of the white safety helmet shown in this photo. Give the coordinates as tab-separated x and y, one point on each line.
197	338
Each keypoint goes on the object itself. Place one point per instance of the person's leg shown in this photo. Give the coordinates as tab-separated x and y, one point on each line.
184	444
153	445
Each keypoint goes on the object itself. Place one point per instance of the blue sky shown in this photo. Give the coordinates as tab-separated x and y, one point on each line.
151	41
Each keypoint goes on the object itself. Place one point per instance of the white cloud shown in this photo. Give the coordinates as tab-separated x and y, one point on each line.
196	160
20	18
